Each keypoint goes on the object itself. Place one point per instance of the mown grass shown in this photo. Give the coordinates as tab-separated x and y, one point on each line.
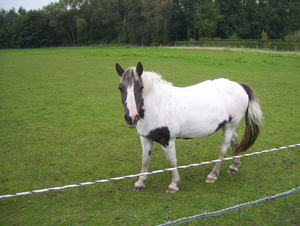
61	122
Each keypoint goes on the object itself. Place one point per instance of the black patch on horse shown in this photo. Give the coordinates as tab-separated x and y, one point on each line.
160	135
212	79
184	138
142	111
224	122
221	125
248	90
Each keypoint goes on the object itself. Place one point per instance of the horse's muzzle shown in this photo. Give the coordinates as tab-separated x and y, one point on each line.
132	122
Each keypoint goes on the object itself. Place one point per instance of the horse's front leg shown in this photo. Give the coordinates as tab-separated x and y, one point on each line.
147	149
170	153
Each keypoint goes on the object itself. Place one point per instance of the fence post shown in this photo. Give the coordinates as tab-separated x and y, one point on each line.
282	209
239	216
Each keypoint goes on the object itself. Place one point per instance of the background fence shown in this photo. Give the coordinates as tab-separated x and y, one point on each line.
268	45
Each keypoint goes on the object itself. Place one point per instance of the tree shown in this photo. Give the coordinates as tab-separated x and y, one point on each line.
27	29
188	11
285	17
157	18
207	16
178	26
234	19
22	11
3	29
61	16
75	22
80	24
134	21
264	35
253	16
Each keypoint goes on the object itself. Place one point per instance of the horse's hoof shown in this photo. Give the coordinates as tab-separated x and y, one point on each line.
230	170
171	190
138	188
210	180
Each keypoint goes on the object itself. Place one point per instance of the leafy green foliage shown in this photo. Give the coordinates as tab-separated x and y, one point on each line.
207	15
61	122
235	19
234	36
295	37
264	35
78	22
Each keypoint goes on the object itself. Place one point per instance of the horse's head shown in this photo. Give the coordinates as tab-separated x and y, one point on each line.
131	88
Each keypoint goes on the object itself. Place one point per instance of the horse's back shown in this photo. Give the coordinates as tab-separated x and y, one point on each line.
209	94
203	108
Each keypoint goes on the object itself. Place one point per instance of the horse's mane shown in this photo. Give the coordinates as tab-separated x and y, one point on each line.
149	79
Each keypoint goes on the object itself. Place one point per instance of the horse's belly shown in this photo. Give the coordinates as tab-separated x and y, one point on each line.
199	123
197	130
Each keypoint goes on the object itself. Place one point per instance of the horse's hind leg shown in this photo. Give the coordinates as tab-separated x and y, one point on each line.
235	162
227	136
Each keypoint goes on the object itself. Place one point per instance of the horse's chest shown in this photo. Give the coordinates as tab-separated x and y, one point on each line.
160	134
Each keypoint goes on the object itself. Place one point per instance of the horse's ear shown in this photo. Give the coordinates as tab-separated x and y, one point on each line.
120	71
139	68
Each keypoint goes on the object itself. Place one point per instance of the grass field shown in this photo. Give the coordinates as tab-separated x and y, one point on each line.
61	122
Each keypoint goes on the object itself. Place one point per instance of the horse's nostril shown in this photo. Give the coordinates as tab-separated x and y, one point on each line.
132	121
136	118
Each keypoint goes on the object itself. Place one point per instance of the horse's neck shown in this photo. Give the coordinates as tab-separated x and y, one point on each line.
158	94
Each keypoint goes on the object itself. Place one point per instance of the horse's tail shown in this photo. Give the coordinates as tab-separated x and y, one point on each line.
254	121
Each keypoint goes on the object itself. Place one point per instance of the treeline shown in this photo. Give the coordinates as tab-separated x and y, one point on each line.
83	22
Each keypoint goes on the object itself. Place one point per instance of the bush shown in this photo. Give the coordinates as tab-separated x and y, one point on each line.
295	37
234	36
268	45
264	35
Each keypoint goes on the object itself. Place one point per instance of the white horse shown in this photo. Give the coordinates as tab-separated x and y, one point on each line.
164	113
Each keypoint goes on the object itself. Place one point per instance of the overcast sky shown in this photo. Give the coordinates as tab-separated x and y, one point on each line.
27	4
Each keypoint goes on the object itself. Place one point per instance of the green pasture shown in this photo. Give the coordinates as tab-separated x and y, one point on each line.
61	123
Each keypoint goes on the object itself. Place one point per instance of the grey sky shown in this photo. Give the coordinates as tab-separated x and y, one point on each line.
27	4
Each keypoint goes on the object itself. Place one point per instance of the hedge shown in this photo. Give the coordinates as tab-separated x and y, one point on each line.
242	43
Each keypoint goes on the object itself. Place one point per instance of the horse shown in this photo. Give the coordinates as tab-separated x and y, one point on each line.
163	113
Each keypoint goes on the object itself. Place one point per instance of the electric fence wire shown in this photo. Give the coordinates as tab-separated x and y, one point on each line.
146	173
